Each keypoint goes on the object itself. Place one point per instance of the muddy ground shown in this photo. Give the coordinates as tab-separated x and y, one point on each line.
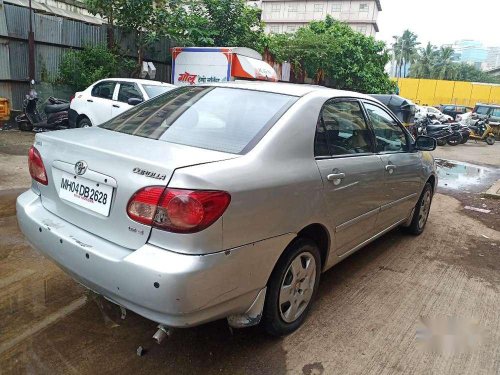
376	313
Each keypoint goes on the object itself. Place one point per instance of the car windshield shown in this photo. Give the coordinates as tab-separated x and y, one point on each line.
155	90
482	110
216	118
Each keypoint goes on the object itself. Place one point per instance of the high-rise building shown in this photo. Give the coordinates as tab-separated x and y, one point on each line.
470	52
493	59
281	16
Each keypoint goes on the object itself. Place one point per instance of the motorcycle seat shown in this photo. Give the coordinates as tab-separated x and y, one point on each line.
53	108
437	127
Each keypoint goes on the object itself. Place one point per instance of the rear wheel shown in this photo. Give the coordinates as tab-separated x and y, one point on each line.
490	140
25	126
84	123
422	210
441	142
291	288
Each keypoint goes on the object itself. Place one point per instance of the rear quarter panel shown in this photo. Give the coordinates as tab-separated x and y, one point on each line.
275	189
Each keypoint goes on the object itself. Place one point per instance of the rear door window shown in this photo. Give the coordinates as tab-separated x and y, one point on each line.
216	118
104	90
342	130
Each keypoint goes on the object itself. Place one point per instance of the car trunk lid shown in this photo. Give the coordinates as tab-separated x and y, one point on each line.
112	166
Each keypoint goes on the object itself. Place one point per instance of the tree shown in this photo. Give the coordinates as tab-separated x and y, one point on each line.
332	53
79	69
405	50
223	23
424	63
445	67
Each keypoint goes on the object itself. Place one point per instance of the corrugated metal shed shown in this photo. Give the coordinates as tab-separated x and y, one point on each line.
4	59
48	60
78	34
3	21
17	21
48	28
18	56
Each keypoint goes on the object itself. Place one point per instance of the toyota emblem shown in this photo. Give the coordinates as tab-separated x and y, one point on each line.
80	167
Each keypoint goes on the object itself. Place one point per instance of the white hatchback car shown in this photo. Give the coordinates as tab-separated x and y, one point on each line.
108	98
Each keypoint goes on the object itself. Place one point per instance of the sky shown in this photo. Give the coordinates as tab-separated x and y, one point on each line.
441	21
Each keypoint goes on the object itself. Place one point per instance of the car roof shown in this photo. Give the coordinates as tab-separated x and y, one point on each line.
136	80
488	105
293	89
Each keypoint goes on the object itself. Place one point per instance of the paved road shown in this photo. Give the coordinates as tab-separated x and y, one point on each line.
376	312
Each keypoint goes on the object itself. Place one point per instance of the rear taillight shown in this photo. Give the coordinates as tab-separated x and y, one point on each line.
177	210
37	169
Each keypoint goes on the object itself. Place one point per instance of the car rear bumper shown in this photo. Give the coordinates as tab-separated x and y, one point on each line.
174	289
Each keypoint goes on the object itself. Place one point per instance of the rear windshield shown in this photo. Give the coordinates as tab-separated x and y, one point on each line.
155	90
215	118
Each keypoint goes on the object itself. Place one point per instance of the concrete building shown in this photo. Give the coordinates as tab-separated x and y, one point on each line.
281	16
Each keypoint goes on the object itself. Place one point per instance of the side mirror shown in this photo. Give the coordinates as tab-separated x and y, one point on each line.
424	143
134	101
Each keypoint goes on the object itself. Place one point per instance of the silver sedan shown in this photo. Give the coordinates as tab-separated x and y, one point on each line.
225	201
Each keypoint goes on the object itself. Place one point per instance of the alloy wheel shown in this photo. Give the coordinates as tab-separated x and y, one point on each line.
297	287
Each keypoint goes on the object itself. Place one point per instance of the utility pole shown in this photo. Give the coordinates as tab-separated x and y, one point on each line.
31	47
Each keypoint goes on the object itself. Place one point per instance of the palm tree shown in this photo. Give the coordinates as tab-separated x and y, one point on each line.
398	54
425	62
445	67
409	51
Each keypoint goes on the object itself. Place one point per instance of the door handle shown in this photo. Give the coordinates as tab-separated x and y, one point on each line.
336	177
116	106
90	100
390	168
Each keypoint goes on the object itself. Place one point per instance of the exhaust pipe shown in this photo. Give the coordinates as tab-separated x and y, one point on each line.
162	333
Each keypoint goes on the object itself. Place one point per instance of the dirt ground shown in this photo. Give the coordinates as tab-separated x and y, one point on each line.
402	305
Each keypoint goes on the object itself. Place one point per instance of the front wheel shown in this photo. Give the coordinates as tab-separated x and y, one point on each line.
292	287
441	142
490	140
455	140
464	139
421	212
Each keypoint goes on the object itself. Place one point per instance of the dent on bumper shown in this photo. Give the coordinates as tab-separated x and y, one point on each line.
174	289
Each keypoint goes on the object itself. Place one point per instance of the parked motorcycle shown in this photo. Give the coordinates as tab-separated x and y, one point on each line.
482	131
442	133
54	115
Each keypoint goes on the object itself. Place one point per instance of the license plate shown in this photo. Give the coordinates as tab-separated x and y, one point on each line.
86	193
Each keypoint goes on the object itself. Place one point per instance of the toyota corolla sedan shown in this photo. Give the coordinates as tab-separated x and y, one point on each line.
225	201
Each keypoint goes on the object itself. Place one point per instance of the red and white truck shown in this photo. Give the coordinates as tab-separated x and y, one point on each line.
193	65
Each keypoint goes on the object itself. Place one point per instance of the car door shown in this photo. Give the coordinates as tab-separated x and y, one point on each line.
352	173
100	102
126	91
403	168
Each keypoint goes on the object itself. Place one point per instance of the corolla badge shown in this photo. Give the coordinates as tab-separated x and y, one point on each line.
80	167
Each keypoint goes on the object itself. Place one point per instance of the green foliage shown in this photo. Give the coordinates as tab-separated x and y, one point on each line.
223	23
405	50
81	68
331	53
439	63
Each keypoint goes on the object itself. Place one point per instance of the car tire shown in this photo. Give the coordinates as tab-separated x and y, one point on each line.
25	126
294	287
84	123
421	213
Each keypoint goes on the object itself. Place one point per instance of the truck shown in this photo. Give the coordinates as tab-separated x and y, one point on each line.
198	65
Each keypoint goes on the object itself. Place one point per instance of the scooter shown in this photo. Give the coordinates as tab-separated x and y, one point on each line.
482	131
54	115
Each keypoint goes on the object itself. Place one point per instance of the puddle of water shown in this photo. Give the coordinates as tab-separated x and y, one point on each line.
464	176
